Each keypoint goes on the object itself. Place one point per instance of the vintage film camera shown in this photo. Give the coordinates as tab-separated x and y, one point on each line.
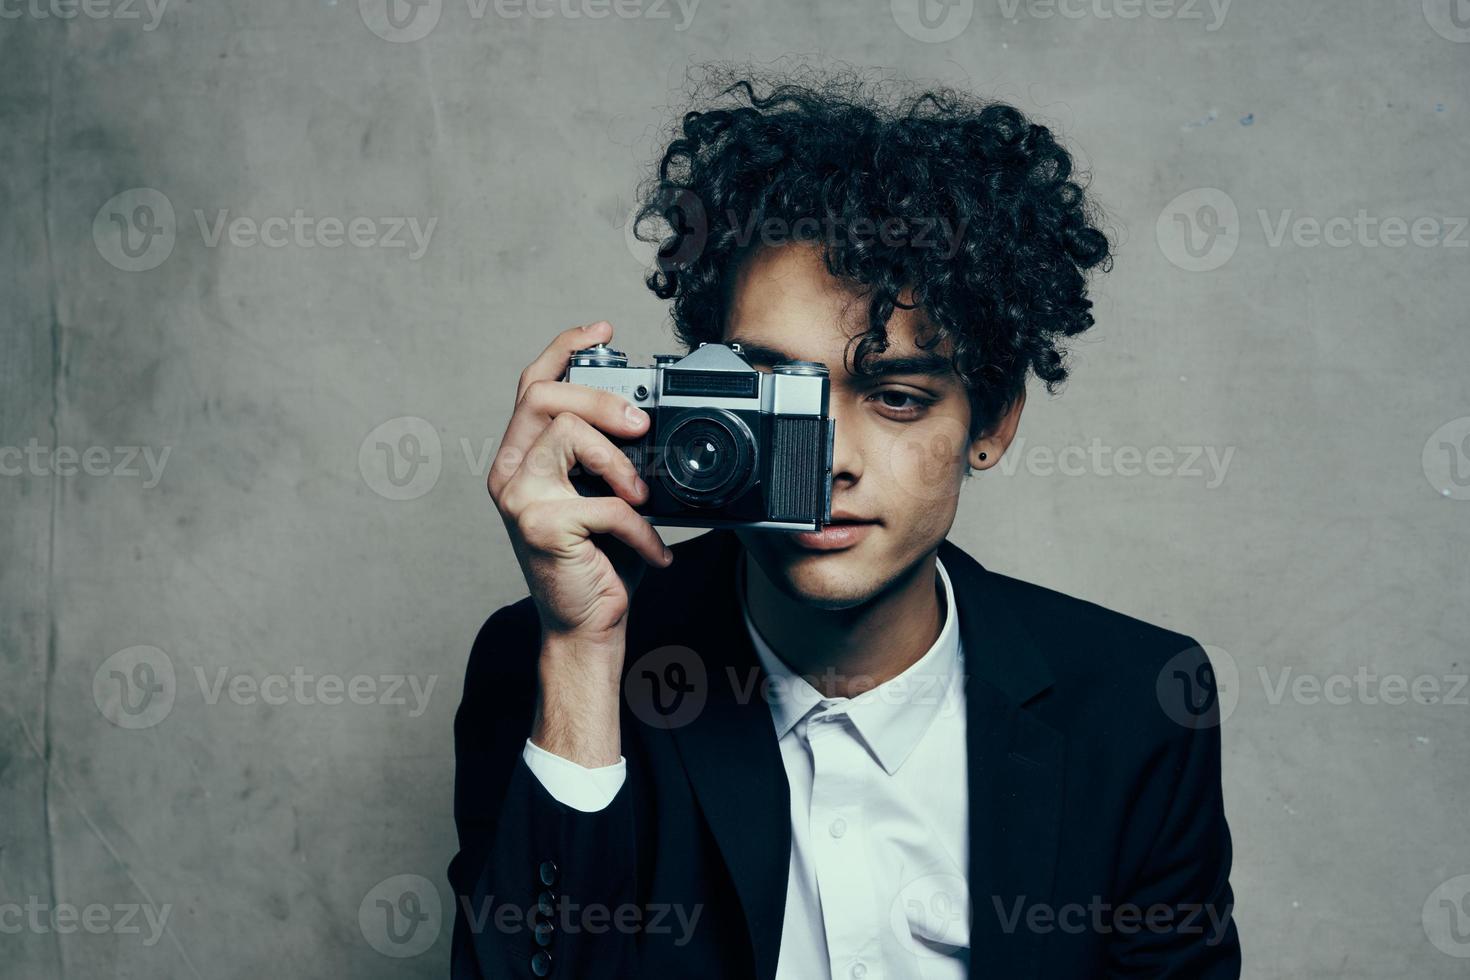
729	446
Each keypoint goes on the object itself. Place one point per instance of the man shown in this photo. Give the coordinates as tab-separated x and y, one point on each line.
847	754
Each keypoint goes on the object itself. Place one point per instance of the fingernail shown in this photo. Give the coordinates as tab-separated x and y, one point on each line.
635	414
640	486
668	556
587	326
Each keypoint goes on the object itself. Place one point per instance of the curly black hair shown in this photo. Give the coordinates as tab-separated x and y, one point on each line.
1010	238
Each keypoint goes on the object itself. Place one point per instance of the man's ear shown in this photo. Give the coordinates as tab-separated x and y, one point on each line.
986	451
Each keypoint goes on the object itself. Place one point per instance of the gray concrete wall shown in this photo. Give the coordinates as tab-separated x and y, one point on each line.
166	621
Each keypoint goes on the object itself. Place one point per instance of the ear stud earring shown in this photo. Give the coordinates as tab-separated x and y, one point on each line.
982	456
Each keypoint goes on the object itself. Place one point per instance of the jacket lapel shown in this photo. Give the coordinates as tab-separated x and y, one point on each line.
1015	778
729	745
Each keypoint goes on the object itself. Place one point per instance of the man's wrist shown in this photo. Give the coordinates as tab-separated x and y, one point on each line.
578	700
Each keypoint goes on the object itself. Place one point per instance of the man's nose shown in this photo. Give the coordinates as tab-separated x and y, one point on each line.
846	450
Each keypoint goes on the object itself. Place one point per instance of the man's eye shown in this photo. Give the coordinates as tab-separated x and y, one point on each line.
914	404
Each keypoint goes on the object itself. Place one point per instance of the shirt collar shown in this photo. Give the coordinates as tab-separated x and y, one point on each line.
892	717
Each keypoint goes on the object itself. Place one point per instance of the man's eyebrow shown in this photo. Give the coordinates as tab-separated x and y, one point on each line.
929	364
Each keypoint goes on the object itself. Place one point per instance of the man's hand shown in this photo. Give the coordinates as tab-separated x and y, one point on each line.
582	588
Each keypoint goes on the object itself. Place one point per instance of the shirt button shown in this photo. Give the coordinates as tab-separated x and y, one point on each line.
837	828
547	872
859	970
541	963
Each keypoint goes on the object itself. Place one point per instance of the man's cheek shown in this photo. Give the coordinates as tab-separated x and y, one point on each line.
922	464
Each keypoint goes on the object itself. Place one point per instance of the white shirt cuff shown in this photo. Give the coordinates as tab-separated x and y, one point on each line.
573	785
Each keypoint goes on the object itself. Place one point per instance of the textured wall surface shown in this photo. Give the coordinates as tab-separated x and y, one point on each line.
232	638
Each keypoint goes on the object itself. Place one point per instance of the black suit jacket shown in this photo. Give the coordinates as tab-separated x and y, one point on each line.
1098	840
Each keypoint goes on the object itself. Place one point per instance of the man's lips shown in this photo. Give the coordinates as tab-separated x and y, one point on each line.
835	536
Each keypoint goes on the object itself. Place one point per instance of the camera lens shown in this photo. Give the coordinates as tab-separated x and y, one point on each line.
701	456
708	458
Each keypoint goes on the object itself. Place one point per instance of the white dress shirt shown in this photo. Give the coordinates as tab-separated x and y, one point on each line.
878	880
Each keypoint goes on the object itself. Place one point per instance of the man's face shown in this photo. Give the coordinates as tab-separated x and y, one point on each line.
901	438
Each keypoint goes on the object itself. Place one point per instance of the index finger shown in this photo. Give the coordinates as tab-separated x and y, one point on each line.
552	362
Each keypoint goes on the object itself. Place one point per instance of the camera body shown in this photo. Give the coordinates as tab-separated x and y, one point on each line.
728	446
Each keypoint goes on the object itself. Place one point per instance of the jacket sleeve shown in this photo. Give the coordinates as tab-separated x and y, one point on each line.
1177	919
538	885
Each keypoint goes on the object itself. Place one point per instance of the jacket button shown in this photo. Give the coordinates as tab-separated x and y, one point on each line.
547	872
541	963
546	903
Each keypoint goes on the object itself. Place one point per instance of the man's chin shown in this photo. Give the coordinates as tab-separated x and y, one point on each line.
830	580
